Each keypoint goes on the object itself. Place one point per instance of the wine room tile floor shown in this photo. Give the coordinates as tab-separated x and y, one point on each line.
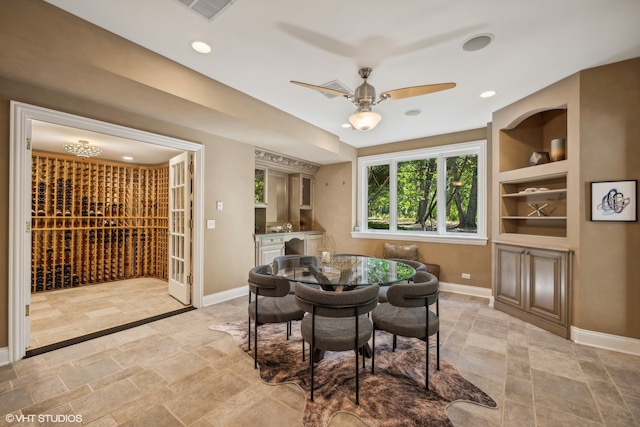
69	313
178	372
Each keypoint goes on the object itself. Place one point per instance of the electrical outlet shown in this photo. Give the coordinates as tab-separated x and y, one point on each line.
466	276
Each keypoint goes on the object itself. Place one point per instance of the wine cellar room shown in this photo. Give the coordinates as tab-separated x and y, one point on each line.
99	233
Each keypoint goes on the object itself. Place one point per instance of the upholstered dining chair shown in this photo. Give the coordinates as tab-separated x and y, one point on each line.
407	314
417	266
336	321
272	304
291	262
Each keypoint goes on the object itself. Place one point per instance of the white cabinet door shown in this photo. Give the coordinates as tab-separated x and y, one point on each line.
312	243
269	253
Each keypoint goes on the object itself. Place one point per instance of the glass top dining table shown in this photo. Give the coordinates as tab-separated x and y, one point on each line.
341	272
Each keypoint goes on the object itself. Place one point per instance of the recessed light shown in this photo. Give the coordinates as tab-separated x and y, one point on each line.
346	125
477	42
487	94
127	158
201	47
412	112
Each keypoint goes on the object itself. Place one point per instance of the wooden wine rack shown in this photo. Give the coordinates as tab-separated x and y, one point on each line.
96	221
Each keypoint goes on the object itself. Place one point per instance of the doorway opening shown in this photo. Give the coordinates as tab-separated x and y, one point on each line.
95	239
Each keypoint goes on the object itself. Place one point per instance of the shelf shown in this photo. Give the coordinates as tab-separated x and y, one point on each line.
531	134
541	194
536	218
82	248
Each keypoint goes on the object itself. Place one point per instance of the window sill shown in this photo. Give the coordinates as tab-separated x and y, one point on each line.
415	237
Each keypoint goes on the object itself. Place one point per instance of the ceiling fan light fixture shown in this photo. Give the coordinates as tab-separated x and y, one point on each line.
82	149
364	120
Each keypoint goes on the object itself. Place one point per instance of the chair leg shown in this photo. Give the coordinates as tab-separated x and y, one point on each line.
312	347
357	379
426	385
255	337
249	327
395	342
373	350
438	349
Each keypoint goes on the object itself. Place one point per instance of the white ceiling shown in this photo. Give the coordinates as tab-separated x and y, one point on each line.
259	46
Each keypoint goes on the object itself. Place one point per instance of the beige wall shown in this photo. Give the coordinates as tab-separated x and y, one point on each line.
228	177
335	212
609	291
55	60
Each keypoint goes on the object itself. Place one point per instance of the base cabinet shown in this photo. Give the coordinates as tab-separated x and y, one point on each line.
534	285
271	246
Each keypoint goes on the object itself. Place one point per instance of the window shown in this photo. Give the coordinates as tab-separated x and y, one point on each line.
431	194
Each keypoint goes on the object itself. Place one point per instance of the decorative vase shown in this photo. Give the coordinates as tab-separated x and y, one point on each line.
558	147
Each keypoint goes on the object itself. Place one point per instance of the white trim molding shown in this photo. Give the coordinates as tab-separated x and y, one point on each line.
223	296
605	341
4	356
20	208
474	291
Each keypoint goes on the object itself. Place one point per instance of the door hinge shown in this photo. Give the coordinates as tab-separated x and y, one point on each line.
28	143
26	310
189	279
191	168
190	223
28	227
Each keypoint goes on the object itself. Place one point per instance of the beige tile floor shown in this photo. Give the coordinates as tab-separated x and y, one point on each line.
69	313
177	371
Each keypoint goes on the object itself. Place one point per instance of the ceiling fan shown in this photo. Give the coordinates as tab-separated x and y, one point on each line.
364	98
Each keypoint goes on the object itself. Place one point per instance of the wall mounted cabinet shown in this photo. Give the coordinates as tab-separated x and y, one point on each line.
301	201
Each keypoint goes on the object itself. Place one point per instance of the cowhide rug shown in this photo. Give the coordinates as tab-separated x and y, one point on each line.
393	396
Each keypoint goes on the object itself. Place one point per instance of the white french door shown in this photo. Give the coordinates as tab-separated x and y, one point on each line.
180	228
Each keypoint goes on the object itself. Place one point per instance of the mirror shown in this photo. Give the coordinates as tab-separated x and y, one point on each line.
260	187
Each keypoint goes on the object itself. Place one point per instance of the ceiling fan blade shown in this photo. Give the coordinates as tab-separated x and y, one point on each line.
323	89
407	92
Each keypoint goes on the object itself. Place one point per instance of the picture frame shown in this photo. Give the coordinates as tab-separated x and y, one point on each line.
614	201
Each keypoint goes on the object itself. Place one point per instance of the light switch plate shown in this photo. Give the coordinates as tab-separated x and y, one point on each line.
211	223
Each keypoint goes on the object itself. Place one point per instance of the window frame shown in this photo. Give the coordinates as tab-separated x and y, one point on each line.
441	153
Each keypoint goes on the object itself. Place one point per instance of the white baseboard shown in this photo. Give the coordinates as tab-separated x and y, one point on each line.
4	356
467	290
605	341
223	296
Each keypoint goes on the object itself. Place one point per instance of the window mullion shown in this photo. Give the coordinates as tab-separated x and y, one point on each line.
442	195
393	196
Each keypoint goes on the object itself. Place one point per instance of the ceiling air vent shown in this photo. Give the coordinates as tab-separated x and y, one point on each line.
207	9
335	85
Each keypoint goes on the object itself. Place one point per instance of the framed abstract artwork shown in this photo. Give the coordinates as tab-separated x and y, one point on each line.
614	201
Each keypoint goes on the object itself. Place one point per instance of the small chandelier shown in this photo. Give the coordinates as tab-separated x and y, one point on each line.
82	149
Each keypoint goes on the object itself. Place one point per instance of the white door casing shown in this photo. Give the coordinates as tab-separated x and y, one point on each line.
180	228
19	267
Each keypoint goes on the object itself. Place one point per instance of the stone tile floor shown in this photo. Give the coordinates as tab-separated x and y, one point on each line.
177	371
69	313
